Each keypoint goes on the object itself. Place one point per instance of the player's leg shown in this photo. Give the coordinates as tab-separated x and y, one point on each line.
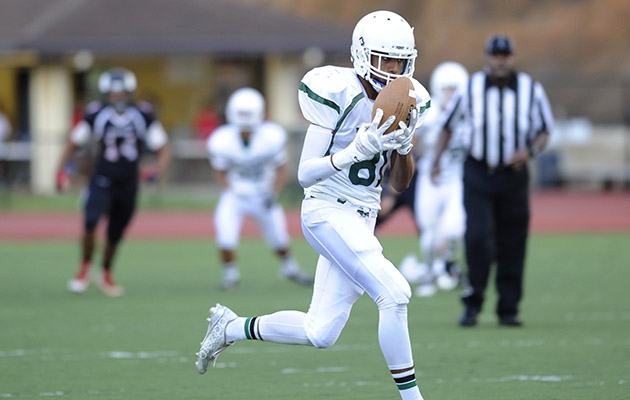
333	297
121	210
451	227
427	214
512	220
347	240
284	327
478	205
95	202
273	224
228	219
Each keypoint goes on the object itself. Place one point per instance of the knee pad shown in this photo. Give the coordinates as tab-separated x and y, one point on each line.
324	333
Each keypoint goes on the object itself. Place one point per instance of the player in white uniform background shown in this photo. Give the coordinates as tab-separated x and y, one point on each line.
250	163
439	209
341	166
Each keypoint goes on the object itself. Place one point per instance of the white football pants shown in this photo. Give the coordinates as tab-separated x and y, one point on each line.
439	212
351	262
231	211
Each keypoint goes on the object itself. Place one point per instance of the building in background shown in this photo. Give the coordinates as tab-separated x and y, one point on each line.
184	53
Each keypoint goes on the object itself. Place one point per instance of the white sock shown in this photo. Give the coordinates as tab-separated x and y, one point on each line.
289	265
230	271
285	327
393	337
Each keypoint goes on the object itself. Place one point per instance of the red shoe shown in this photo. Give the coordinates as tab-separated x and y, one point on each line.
108	286
81	282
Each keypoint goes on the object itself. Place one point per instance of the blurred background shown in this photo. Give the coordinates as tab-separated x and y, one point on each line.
190	55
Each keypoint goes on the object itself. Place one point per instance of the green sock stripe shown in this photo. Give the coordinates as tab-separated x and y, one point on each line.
247	322
407	385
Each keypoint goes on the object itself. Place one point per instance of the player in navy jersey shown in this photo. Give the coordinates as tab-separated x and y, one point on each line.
122	131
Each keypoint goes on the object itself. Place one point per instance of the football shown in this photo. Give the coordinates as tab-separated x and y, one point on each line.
397	98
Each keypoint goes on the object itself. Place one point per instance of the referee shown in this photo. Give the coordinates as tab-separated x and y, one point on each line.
509	118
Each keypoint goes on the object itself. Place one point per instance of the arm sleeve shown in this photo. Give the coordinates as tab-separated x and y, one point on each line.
156	136
453	112
542	112
215	155
313	166
80	134
319	95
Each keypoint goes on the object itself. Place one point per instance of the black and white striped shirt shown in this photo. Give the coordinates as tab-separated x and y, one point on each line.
501	119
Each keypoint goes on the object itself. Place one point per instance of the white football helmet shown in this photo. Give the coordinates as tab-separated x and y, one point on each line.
116	81
446	79
382	34
245	108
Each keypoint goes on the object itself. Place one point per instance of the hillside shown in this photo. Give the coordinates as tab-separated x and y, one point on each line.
579	49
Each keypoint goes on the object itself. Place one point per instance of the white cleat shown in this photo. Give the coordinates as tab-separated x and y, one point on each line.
77	285
298	276
214	342
426	290
412	270
447	282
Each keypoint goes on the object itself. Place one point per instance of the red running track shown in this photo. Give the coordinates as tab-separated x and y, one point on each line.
552	212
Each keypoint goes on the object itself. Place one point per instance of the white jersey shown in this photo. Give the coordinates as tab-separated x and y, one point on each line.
451	162
251	168
333	98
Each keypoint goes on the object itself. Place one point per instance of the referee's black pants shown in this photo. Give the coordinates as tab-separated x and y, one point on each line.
497	222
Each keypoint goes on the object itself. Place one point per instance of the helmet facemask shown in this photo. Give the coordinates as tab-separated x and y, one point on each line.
117	86
382	34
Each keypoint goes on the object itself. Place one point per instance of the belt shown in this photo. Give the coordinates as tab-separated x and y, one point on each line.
363	211
490	168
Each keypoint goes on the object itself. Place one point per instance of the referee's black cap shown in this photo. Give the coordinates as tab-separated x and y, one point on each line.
499	44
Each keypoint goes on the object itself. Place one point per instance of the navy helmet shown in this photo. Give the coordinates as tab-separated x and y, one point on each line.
499	44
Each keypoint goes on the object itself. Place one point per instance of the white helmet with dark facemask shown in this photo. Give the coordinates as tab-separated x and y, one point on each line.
115	81
446	79
245	109
382	34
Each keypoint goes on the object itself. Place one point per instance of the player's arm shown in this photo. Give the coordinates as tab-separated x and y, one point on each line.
163	158
314	167
446	132
220	176
544	119
157	141
442	143
402	166
401	171
78	137
282	173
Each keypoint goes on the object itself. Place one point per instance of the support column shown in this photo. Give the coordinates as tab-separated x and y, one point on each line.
50	99
282	80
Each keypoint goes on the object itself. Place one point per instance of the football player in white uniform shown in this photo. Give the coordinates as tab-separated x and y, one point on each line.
342	162
250	163
439	206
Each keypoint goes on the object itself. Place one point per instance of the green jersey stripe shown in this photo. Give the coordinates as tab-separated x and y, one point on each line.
425	107
319	98
353	104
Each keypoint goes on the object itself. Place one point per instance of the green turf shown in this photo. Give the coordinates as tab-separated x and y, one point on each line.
575	344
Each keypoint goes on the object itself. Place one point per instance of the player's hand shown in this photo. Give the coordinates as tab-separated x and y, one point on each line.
368	141
435	173
149	174
404	136
370	138
519	159
63	180
269	201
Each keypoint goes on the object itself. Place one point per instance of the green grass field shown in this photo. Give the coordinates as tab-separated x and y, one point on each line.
575	344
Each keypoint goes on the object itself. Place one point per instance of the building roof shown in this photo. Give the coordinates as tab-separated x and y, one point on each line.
143	27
